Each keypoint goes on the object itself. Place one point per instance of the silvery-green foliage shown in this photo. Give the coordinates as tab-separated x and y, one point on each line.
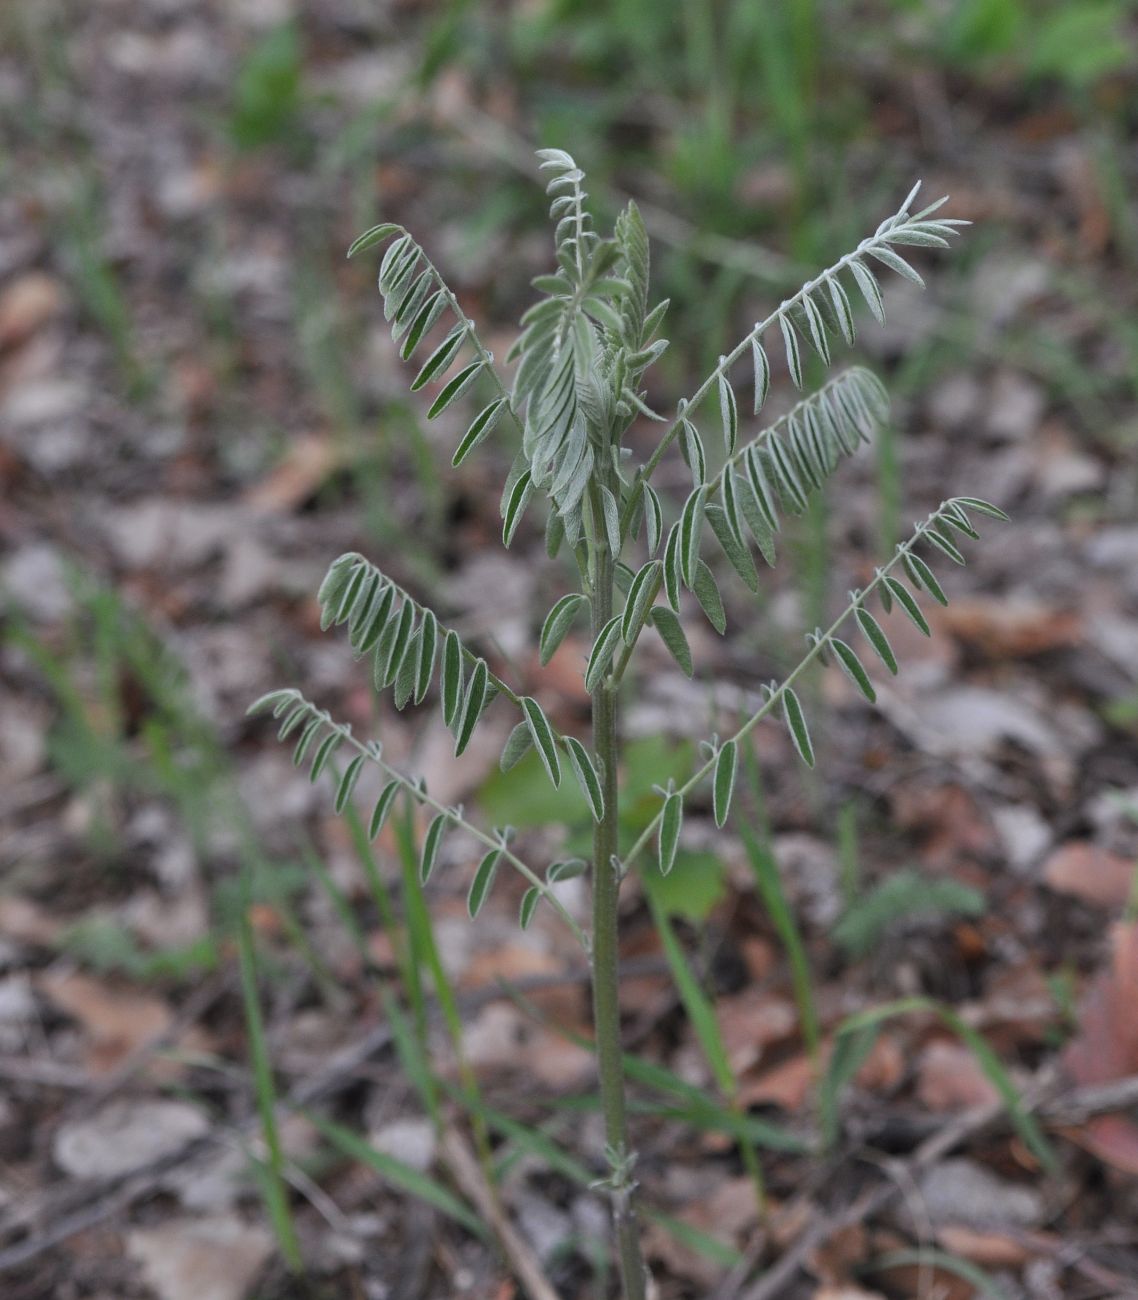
580	359
321	737
891	594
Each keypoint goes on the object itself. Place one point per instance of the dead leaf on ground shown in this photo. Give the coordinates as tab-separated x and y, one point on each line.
728	1213
410	1140
1106	1048
844	1292
787	1222
501	1039
507	962
215	1258
836	1258
760	956
305	466
1014	628
556	1062
965	722
787	1085
27	304
1018	1006
671	1258
750	1022
117	1021
949	819
988	1249
963	1192
884	1067
1092	874
920	1280
26	922
1113	1139
790	1084
949	1078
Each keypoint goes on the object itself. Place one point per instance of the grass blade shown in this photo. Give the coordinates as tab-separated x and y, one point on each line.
275	1188
400	1176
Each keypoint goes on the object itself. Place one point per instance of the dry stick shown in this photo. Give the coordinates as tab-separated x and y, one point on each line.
468	1177
49	1074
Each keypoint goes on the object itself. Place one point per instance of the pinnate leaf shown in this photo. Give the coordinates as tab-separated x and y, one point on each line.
472	706
454	389
602	653
376	235
728	412
348	782
904	598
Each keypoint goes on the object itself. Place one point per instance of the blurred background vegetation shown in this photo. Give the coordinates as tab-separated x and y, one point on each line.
197	407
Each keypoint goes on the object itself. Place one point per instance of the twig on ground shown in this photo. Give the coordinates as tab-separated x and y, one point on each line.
468	1177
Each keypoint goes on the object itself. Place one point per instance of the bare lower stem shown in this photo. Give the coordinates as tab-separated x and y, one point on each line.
606	962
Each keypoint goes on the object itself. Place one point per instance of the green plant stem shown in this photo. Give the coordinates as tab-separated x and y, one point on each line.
606	957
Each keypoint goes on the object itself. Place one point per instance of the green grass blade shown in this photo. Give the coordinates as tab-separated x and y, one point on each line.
413	1057
696	1003
425	954
1023	1121
701	1014
703	1243
697	1108
401	1176
769	885
985	1284
273	1183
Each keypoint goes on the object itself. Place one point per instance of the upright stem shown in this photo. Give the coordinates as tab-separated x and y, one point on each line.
606	958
